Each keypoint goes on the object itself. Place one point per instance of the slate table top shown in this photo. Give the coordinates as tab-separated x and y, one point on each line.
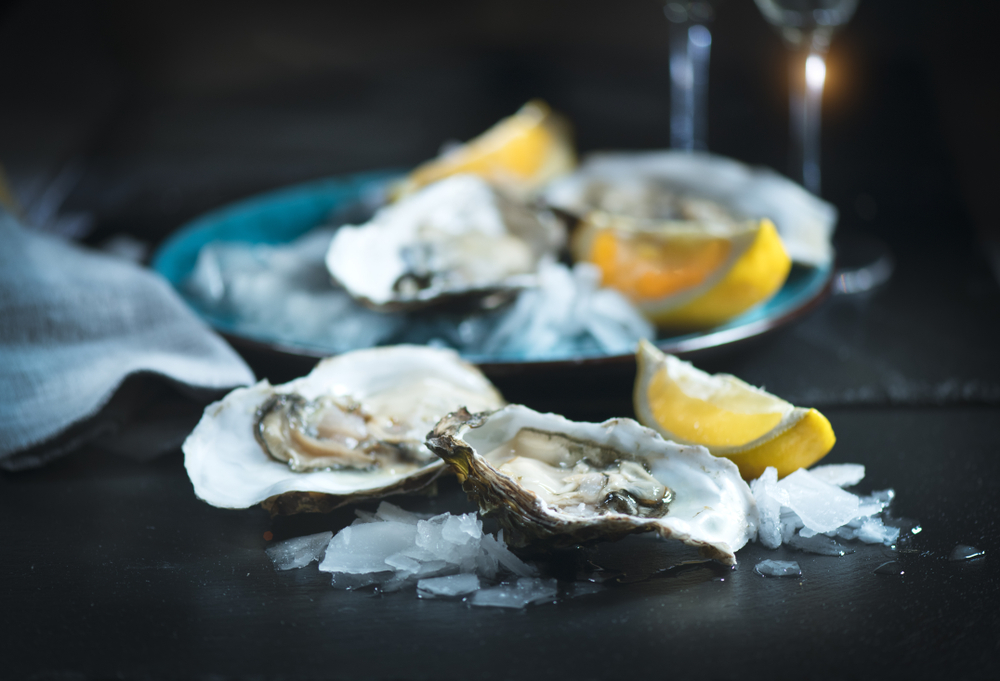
111	568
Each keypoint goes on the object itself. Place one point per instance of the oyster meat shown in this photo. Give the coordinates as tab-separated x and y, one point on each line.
457	238
351	429
555	482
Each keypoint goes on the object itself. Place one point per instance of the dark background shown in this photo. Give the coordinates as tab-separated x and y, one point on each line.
143	114
130	118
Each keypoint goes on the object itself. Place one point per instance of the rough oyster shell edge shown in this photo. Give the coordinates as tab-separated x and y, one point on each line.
717	525
229	469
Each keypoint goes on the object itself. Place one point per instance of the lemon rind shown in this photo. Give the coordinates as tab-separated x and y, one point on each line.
558	159
744	285
751	457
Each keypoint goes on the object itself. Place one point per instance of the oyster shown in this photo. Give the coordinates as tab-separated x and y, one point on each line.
351	429
459	237
554	482
702	188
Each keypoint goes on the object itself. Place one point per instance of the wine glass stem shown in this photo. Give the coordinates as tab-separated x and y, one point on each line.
808	77
690	48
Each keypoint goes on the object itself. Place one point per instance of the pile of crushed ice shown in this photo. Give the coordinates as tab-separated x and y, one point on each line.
449	556
284	293
444	556
809	510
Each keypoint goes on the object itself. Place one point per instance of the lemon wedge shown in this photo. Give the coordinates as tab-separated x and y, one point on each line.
731	418
520	154
685	274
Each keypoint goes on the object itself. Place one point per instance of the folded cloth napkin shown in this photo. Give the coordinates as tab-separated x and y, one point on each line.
86	341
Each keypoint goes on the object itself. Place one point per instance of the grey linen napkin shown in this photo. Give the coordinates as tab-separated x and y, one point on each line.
87	342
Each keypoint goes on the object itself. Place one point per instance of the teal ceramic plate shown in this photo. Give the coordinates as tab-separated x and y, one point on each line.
284	214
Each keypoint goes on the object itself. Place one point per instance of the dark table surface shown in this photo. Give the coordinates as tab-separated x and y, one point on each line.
127	121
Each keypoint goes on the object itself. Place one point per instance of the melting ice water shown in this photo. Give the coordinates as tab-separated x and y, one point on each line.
778	568
893	567
965	552
820	544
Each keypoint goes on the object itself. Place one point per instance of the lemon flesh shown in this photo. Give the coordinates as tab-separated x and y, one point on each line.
685	275
731	418
520	154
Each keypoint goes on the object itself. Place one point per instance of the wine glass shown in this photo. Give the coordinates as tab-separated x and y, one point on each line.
863	260
807	27
690	48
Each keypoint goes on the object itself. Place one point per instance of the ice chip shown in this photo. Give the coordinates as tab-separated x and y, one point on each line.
430	539
847	532
391	512
498	550
452	586
364	517
790	524
840	474
503	596
363	548
397	582
874	531
462	529
876	502
566	313
526	590
298	552
766	494
487	565
821	506
400	562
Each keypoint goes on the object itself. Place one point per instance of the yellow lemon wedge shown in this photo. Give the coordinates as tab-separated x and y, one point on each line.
683	274
731	418
520	154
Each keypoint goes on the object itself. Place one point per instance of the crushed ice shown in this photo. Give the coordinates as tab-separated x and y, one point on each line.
450	557
283	293
298	552
809	510
443	556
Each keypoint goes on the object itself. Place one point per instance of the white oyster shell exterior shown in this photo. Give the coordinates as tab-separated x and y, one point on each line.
459	236
229	469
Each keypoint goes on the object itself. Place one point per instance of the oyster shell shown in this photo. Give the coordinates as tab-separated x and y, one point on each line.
703	188
555	482
351	429
459	237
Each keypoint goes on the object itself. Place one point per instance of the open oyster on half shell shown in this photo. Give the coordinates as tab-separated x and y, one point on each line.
703	189
353	428
458	238
554	482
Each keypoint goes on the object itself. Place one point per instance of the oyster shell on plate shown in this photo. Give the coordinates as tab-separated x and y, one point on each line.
702	188
555	482
353	428
456	238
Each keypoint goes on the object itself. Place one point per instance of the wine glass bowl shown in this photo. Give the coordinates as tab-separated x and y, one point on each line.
807	23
